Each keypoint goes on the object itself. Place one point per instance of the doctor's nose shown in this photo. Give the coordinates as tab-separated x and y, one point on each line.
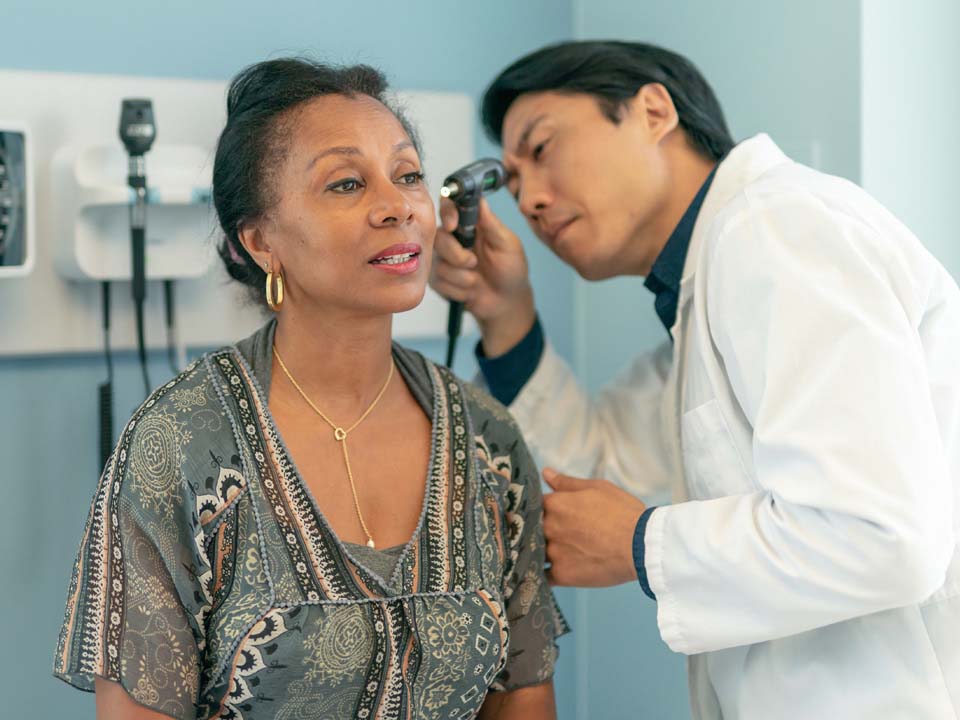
533	199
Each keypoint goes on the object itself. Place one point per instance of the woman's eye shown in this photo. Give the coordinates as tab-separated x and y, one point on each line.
345	186
413	178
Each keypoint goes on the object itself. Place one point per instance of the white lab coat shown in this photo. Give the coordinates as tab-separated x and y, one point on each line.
807	419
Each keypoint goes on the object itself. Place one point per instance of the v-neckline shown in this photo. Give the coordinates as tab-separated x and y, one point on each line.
392	584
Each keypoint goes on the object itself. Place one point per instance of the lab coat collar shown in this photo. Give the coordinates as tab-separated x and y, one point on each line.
746	162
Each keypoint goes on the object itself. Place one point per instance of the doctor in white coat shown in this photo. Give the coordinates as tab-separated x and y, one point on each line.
804	407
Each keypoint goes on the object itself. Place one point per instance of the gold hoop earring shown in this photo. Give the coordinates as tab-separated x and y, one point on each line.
274	302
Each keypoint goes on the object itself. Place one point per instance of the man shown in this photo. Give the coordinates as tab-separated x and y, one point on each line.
804	409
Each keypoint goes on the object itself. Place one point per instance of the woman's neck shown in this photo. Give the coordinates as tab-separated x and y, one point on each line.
339	362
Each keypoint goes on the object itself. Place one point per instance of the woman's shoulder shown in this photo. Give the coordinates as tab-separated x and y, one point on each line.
481	405
190	391
182	427
485	405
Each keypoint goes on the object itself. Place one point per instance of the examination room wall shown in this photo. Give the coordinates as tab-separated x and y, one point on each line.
48	432
910	140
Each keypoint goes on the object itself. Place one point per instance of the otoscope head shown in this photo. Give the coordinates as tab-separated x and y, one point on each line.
467	184
137	127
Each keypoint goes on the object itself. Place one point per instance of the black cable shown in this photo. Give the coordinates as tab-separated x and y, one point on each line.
105	389
169	312
454	320
107	355
466	233
138	237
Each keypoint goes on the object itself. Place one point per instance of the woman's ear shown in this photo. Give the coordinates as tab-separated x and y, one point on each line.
252	237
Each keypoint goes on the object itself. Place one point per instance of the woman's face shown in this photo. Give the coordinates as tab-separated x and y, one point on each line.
352	224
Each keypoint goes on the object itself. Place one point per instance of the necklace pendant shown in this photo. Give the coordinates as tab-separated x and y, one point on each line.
340	434
371	544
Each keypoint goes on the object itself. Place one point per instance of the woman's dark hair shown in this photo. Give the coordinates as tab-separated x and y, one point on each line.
254	142
612	72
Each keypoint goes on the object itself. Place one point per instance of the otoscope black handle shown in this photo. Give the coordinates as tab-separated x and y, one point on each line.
467	216
454	320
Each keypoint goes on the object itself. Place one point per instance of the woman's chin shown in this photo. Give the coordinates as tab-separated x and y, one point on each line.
379	302
411	302
401	300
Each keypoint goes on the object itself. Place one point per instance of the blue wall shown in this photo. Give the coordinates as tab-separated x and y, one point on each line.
911	114
48	434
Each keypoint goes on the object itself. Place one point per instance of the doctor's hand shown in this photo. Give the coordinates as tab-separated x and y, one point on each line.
589	525
491	279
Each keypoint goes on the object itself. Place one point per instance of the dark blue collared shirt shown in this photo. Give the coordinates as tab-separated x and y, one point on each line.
507	374
667	271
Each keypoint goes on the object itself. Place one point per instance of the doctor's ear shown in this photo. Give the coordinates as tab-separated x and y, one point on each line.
653	106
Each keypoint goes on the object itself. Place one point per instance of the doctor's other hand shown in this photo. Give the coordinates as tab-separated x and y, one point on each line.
491	279
589	526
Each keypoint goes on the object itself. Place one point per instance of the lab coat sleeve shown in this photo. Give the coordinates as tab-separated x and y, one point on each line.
815	318
616	436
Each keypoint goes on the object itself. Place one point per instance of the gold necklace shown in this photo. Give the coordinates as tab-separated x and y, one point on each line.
341	435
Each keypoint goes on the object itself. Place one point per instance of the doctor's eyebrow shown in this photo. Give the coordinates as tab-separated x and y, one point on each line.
520	149
525	135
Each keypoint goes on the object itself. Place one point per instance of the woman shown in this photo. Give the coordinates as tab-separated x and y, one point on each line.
316	523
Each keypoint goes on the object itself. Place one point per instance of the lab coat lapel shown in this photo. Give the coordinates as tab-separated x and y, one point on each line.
745	162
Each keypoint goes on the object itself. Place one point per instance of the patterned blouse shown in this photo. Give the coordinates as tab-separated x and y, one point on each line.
209	584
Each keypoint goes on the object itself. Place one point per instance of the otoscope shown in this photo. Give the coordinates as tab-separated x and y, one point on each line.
137	132
465	187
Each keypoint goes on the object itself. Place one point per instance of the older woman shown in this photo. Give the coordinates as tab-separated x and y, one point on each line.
316	522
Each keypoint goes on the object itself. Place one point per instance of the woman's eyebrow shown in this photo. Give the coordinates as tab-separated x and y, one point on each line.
352	151
336	150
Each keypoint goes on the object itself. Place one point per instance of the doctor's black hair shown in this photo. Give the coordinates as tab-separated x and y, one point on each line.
612	71
254	141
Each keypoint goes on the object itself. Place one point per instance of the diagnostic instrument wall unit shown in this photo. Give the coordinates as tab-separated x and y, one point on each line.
93	216
16	201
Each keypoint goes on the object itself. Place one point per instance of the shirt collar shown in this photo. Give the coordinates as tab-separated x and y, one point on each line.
667	271
668	267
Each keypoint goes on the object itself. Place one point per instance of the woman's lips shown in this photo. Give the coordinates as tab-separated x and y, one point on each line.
397	249
398	259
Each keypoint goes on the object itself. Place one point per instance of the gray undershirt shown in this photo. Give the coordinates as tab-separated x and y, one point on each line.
382	562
